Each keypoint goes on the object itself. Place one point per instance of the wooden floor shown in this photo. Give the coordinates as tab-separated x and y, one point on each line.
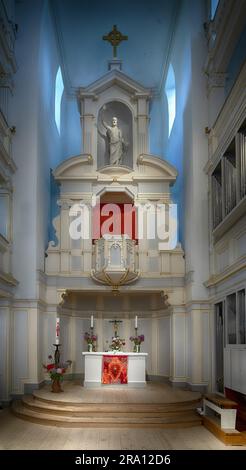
154	392
158	404
18	434
154	406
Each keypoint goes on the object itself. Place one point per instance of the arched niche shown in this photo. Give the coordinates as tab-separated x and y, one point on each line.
124	117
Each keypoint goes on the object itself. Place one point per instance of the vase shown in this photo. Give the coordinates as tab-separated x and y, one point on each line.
137	348
90	347
56	386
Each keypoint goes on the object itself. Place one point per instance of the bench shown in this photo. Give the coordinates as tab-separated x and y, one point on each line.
227	409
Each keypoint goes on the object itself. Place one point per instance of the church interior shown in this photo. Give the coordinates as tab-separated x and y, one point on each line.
123	224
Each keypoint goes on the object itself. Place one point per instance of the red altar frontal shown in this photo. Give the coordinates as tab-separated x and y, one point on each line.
114	369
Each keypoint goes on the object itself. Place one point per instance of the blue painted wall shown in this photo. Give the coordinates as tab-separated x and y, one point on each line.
174	145
49	139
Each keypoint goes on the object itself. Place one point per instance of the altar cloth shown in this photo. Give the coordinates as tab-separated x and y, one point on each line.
114	369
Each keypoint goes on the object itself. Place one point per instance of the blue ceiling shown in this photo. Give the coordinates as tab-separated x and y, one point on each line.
80	25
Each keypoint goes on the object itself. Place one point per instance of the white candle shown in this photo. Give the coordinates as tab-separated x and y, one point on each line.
91	321
136	321
57	330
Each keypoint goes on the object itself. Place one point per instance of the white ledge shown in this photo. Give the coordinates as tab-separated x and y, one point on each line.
112	353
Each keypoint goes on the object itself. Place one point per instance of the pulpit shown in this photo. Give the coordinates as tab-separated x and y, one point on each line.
133	371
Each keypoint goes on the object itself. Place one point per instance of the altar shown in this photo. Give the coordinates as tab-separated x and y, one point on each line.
133	366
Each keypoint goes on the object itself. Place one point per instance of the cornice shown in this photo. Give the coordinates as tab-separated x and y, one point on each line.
230	271
8	279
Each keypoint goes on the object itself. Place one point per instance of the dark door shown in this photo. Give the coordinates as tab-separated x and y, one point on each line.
219	346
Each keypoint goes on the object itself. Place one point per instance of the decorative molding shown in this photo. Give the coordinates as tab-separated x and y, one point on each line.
216	80
202	305
105	314
61	296
233	269
7	40
65	204
8	279
169	172
114	77
230	220
70	163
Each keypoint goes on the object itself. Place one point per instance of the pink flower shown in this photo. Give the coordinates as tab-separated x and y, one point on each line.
59	371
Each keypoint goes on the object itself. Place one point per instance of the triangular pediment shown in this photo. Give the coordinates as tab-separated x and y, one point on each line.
114	78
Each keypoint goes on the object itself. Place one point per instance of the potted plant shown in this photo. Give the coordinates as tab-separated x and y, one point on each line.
56	373
137	341
117	343
90	338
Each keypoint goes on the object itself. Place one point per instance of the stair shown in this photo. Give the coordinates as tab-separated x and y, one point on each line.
130	415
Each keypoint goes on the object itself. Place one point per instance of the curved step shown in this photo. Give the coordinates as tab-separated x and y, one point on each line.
94	420
104	408
194	403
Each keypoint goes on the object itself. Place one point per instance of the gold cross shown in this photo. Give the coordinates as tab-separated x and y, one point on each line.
115	37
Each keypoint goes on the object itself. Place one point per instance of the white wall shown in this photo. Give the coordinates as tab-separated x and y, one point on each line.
74	328
187	146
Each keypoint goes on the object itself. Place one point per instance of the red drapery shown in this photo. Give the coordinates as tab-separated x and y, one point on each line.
105	220
114	369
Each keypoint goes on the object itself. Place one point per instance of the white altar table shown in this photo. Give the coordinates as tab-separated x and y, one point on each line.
136	368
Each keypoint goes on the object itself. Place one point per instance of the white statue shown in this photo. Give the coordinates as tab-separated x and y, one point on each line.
117	146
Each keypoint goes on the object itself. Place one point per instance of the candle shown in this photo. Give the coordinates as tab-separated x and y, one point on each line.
136	321
57	330
91	321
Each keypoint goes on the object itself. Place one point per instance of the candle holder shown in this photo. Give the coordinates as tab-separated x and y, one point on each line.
57	354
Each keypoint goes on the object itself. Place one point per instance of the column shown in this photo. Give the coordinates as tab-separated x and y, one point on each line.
143	122
5	363
216	94
99	322
65	236
178	373
155	345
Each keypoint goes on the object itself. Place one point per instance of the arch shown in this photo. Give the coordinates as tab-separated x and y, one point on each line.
59	88
170	90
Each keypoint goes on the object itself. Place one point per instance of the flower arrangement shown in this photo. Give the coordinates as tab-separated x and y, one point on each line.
90	338
137	341
56	371
117	343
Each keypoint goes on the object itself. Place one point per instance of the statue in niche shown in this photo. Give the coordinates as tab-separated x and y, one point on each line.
116	144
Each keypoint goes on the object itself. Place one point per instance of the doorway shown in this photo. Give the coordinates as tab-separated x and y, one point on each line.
219	346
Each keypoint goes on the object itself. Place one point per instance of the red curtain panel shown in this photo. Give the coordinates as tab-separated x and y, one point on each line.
114	369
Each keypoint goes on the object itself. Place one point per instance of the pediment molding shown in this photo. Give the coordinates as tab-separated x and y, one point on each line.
110	79
164	168
81	168
67	168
